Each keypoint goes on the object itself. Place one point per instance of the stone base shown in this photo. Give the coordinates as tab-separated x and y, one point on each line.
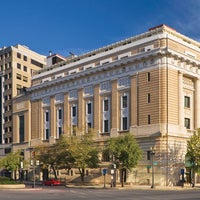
12	186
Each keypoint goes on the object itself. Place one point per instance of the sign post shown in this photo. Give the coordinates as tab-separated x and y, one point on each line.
104	174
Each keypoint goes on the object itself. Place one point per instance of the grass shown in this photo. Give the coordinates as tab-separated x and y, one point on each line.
6	180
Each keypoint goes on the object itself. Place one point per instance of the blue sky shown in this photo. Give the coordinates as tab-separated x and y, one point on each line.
79	26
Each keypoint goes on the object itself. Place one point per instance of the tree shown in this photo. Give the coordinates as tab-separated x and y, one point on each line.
125	151
84	153
56	156
193	147
193	151
69	152
11	162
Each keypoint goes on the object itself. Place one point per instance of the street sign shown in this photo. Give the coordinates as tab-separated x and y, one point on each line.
104	171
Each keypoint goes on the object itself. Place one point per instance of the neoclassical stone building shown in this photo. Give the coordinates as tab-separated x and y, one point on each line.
148	85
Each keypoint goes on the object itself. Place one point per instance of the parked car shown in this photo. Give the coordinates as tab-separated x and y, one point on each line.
51	182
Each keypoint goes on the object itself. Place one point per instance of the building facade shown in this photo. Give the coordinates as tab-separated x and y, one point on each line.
148	85
17	65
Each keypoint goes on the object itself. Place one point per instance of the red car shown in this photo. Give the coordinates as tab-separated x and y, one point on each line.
51	182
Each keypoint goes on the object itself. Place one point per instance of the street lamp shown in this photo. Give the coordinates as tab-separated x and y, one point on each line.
152	152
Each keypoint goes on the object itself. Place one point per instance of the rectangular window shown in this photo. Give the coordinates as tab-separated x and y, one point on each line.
18	66
59	130
25	79
21	128
60	113
187	102
25	68
47	134
36	63
19	76
148	77
149	119
148	98
89	108
124	101
25	58
18	55
106	126
187	123
19	88
106	105
73	111
148	155
89	125
47	116
125	123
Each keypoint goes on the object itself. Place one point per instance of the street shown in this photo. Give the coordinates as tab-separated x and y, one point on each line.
61	193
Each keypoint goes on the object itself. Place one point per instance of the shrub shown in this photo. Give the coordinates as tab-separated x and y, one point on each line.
6	180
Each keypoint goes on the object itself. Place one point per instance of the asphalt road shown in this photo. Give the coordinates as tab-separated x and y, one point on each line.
62	193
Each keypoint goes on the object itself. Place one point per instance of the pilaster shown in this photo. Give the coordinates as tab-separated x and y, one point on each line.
134	103
97	111
197	104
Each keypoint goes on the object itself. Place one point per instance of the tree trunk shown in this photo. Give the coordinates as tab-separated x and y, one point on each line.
122	177
82	173
54	171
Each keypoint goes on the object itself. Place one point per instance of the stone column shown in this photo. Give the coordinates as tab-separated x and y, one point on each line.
66	115
16	133
52	118
97	109
197	104
133	99
81	108
181	99
114	110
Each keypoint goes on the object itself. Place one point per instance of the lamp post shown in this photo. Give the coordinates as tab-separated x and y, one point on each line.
152	167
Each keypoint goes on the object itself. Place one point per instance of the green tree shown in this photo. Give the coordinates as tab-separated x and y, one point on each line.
84	152
11	162
125	151
56	156
193	150
69	152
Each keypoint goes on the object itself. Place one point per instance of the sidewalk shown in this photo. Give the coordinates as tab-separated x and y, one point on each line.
134	187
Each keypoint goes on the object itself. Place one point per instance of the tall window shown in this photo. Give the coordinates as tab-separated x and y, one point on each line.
148	98
148	77
106	126
59	113
59	122
74	111
106	105
47	116
149	119
89	108
89	115
187	123
124	119
21	128
46	125
124	123
124	101
59	131
106	115
47	134
187	102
